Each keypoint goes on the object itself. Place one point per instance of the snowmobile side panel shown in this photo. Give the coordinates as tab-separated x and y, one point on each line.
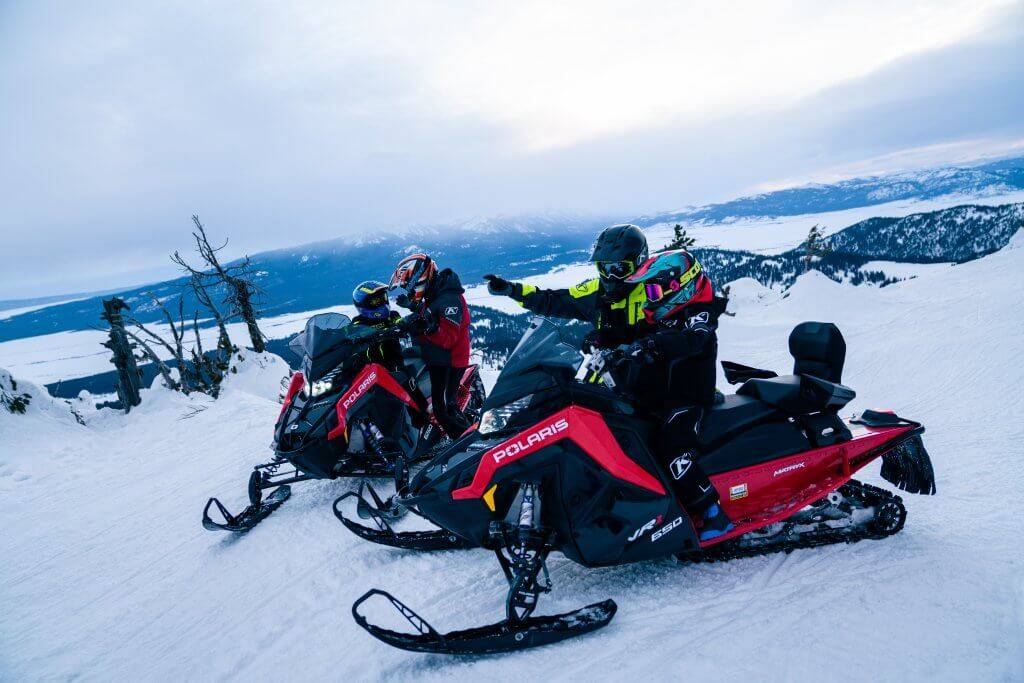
759	495
372	374
586	428
504	636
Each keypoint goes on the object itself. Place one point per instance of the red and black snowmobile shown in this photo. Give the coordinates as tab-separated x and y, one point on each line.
344	416
560	464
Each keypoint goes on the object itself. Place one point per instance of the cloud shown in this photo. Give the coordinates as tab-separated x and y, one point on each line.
281	123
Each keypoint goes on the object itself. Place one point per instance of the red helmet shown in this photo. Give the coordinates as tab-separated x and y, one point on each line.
414	274
672	280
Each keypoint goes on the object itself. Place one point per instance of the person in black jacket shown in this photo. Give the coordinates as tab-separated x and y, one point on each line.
612	304
440	327
664	311
371	301
674	363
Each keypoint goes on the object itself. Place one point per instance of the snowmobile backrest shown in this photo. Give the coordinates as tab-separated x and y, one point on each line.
818	349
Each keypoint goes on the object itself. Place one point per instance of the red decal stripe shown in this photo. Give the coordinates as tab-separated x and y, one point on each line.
585	428
359	388
293	388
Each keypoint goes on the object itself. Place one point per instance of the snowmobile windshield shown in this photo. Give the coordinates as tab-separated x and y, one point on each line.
328	340
323	331
545	349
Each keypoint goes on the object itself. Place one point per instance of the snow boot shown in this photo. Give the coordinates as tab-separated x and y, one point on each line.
715	523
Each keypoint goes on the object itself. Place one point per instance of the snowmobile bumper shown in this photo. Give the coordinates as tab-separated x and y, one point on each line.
505	636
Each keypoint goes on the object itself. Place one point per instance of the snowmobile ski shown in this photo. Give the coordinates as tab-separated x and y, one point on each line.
389	509
504	636
250	517
384	534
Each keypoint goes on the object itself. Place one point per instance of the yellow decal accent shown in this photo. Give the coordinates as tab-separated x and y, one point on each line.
585	288
489	497
527	290
691	273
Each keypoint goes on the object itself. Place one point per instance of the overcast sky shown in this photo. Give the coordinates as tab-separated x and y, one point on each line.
287	122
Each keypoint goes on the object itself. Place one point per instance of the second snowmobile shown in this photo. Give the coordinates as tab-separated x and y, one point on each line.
562	464
344	416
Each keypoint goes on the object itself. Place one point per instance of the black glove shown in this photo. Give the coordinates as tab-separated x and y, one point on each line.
644	351
498	285
591	341
416	323
404	301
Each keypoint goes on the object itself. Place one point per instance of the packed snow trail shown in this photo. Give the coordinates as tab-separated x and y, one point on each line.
108	575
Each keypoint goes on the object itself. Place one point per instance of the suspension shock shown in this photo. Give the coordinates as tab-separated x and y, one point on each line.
373	436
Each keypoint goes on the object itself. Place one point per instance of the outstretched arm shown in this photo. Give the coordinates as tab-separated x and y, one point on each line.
577	302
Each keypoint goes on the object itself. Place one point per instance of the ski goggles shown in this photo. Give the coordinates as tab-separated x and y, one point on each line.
656	291
616	270
373	299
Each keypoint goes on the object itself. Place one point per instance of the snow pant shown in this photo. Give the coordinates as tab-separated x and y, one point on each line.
677	449
419	417
444	394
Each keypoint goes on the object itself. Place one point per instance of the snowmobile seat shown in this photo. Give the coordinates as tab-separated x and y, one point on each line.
732	415
798	394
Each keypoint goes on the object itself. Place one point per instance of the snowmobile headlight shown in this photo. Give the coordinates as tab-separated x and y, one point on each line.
495	419
321	387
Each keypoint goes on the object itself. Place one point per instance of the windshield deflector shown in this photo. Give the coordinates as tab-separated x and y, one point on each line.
327	340
543	352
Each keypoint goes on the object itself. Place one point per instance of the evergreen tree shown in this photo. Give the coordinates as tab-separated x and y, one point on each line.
680	240
814	246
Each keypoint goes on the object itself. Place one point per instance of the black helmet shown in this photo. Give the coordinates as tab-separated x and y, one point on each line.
619	251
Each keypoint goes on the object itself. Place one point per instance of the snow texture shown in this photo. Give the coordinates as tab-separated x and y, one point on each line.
107	574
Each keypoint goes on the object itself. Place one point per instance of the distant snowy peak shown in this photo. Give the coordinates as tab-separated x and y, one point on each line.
860	254
988	179
482	225
960	233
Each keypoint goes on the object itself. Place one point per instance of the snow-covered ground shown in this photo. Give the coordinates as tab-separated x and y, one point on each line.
106	573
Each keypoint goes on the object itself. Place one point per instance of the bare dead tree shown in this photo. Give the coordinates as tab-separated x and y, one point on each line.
189	381
154	358
237	279
225	349
209	373
123	356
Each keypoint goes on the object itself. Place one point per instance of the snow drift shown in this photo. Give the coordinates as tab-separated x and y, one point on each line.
107	574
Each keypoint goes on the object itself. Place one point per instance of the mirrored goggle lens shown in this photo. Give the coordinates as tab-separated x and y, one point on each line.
655	292
616	269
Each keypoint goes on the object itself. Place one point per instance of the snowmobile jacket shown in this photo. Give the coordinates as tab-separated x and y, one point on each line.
389	352
446	340
686	349
618	318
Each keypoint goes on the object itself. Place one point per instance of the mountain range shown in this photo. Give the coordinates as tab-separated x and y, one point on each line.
323	274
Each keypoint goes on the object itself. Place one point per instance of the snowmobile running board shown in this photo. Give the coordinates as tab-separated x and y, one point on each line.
427	541
504	636
250	517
